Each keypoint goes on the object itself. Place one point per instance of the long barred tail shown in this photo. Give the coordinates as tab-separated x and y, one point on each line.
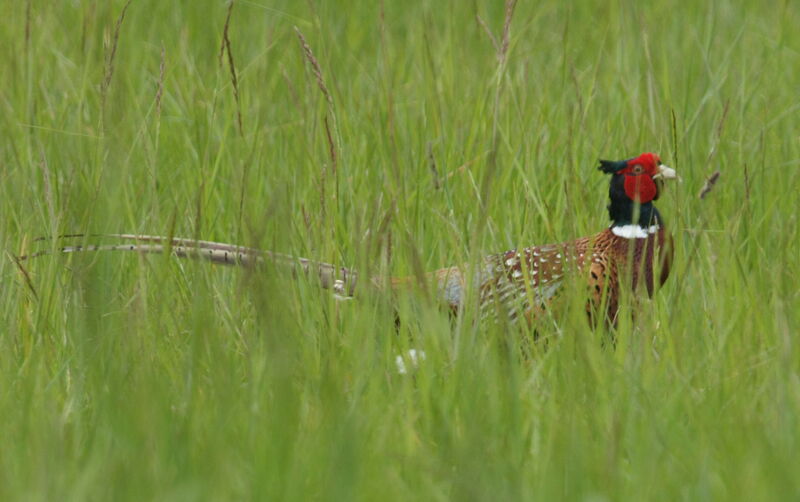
340	279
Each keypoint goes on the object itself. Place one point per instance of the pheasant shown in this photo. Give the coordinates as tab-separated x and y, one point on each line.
519	283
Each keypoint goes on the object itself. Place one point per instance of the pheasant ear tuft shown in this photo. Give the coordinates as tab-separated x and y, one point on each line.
612	166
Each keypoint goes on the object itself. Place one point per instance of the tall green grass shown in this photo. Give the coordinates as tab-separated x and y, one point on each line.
132	378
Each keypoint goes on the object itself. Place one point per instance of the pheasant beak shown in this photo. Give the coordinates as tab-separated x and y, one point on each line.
666	173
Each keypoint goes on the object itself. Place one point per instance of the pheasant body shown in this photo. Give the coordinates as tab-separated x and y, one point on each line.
517	283
521	283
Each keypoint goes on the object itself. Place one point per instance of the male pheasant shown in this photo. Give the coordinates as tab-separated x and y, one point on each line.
518	283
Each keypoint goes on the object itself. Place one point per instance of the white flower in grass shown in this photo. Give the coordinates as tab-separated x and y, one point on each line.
414	358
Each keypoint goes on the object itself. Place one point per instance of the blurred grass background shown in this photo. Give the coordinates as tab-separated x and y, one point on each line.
137	378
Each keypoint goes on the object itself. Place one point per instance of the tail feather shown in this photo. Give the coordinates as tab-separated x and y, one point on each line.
449	282
174	241
342	280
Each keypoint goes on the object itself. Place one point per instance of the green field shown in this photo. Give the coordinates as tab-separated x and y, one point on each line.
414	135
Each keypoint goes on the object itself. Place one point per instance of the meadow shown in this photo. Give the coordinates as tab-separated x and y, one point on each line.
393	137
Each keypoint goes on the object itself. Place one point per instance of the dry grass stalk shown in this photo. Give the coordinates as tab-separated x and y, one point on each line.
198	222
574	77
489	33
382	22
510	5
112	54
314	66
162	68
226	45
323	179
502	56
674	127
28	25
330	128
709	184
225	32
746	184
331	146
718	134
695	242
722	119
437	184
25	275
463	167
306	218
48	190
389	249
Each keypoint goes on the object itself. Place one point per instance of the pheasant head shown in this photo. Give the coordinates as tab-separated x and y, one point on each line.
635	184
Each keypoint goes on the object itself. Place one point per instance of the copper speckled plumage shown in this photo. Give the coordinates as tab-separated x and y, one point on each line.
519	283
523	282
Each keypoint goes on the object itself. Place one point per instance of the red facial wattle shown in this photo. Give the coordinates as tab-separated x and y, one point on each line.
641	188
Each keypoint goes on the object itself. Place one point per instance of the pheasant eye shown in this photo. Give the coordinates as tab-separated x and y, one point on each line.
637	169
